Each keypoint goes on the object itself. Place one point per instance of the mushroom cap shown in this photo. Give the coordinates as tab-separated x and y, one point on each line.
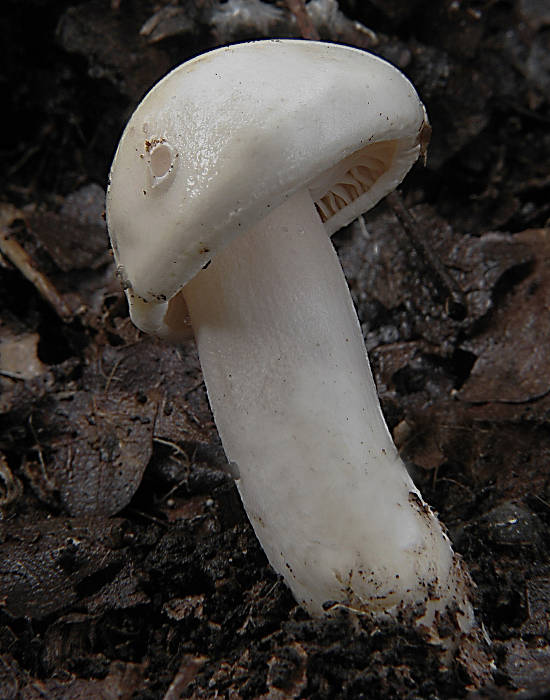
231	134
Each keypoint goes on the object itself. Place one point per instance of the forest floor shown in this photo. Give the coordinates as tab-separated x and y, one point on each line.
128	568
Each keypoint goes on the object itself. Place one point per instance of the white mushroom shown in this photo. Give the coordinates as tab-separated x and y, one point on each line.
248	158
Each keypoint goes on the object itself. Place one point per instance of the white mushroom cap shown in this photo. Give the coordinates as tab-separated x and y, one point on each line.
225	138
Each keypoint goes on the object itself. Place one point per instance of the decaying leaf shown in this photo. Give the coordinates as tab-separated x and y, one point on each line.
100	446
513	362
287	673
11	487
468	395
172	373
19	358
42	565
120	683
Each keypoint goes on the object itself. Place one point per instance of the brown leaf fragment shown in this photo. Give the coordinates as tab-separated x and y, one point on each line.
287	673
43	564
76	237
186	509
390	279
184	608
100	446
89	31
391	358
513	362
528	665
18	395
69	636
448	288
10	677
72	245
536	13
303	19
333	25
492	443
19	357
190	666
122	681
538	606
481	262
168	21
474	658
86	205
424	449
236	20
121	593
28	267
10	486
65	255
172	373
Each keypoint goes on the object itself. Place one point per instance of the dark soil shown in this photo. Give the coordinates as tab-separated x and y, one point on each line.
127	566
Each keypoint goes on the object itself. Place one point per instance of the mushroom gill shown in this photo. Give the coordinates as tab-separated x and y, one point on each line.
351	177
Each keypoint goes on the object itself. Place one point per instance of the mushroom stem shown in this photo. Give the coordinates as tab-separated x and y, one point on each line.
296	407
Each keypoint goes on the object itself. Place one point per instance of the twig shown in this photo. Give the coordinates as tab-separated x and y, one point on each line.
305	25
545	503
190	666
148	516
455	303
173	490
195	386
49	483
11	375
111	376
19	257
456	483
174	446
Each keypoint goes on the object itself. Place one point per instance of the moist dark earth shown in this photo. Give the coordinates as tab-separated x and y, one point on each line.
128	568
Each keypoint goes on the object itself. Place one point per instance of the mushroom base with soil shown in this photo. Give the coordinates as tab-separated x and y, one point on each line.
296	407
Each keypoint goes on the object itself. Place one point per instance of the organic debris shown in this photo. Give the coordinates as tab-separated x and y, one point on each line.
127	567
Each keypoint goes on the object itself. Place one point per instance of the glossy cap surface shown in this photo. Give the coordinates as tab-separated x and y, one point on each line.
228	136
